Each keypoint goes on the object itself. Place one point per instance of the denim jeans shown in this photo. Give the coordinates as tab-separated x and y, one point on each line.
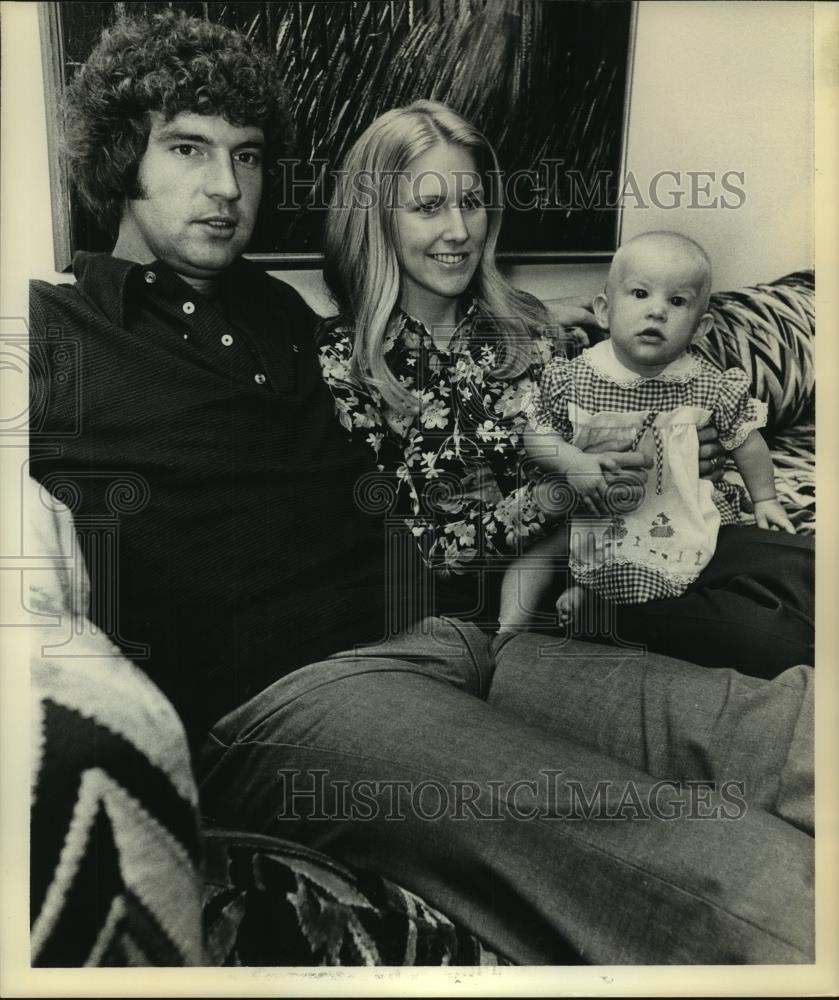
555	832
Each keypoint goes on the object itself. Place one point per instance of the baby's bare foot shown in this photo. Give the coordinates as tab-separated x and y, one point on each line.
569	604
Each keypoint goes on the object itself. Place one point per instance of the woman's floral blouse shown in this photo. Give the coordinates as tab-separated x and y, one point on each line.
456	462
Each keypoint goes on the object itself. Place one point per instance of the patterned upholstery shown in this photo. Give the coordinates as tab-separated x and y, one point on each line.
114	837
769	331
271	902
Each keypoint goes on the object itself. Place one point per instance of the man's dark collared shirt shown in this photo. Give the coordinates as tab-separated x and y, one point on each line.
241	552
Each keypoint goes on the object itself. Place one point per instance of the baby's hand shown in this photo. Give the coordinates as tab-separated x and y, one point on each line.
585	473
770	514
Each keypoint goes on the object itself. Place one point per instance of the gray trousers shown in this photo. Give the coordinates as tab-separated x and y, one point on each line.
566	802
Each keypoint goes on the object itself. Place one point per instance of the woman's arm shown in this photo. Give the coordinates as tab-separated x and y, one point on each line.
358	407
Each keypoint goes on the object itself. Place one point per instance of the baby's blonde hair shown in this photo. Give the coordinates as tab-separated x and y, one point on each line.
676	240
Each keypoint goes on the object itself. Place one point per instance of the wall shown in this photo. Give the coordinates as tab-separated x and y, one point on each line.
717	86
728	87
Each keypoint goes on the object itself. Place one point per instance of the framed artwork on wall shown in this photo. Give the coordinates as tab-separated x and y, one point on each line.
547	81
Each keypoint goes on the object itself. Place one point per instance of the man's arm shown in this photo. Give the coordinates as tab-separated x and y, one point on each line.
711	454
574	315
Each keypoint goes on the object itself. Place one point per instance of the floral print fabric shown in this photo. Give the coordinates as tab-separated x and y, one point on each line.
456	463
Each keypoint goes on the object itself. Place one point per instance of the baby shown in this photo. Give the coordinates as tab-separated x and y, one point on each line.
644	387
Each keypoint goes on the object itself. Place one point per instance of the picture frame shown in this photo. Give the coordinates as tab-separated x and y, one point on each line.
547	81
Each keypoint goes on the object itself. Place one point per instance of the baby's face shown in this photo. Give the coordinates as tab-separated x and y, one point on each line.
654	306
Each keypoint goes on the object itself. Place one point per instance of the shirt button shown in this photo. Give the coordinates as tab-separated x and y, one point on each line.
259	378
189	308
226	339
150	277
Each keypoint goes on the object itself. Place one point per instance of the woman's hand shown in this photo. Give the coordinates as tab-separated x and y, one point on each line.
631	473
614	465
586	473
711	455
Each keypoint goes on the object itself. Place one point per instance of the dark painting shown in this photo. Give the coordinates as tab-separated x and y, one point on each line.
545	80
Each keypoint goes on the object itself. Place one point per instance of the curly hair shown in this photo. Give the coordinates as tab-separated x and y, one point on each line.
169	63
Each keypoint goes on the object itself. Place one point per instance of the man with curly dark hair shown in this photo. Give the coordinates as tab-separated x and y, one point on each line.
197	364
149	72
250	578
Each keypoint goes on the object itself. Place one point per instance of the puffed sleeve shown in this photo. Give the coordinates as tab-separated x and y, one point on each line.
737	413
548	411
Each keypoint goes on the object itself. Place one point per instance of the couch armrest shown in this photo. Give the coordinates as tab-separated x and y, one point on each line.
60	585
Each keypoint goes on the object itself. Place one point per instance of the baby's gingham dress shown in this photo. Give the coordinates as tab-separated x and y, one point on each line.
658	549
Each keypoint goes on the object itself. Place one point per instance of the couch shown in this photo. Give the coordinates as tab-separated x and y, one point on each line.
123	872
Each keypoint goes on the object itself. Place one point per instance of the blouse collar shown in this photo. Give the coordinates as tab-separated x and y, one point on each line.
407	324
602	359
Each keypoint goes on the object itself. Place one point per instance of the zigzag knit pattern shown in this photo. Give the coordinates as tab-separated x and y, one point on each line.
114	826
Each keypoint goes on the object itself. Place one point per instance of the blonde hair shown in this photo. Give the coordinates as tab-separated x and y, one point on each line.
362	269
688	246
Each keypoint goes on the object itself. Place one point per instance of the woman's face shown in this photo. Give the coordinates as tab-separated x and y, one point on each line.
441	224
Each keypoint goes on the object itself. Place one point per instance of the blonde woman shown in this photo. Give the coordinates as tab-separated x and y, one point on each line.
434	351
434	360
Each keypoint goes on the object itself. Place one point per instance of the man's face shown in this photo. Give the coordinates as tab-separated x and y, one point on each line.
202	182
